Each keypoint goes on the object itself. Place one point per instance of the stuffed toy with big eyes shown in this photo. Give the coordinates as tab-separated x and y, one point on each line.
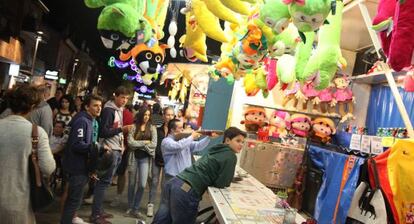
309	15
344	97
322	129
121	23
148	61
254	118
300	125
274	14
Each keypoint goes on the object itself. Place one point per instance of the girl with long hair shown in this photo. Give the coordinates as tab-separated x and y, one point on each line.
142	141
66	110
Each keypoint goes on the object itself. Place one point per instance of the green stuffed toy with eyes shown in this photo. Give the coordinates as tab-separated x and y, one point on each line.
286	42
273	18
121	23
323	64
303	52
308	15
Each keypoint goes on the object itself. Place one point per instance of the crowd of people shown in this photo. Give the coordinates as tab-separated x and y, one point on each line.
85	143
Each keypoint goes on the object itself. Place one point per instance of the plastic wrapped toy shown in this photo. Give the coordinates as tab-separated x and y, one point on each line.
279	124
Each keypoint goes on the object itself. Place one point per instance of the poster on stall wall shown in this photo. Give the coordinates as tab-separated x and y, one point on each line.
198	93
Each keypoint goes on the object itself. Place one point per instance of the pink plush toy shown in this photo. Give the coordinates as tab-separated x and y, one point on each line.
310	93
383	21
324	98
300	125
279	124
271	78
402	44
344	97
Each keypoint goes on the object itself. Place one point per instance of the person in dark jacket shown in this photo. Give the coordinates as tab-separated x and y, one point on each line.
158	161
156	117
79	151
182	194
111	134
54	101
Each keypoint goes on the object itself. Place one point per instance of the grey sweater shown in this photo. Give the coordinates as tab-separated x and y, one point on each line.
15	148
42	115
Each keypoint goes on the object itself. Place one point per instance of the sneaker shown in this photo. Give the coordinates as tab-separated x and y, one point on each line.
78	220
150	210
116	202
99	220
106	215
134	214
88	201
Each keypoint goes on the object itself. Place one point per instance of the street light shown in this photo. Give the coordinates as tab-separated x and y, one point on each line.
38	39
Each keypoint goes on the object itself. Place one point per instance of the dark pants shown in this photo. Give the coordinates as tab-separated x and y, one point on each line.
179	204
103	183
75	193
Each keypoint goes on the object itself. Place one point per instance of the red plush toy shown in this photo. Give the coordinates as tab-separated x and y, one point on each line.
402	44
383	22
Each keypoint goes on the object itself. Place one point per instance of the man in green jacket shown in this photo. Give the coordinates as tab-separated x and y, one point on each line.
182	194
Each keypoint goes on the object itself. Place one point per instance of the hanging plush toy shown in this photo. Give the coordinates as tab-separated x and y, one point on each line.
208	22
279	124
323	64
303	53
300	125
155	14
194	41
402	44
237	6
147	60
343	96
383	22
309	15
274	14
309	93
271	77
324	100
254	118
289	38
289	95
121	23
286	70
322	129
250	86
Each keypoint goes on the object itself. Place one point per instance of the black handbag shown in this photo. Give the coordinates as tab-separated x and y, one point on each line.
40	193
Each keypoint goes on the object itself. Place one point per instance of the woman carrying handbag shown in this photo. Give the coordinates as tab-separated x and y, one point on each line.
15	151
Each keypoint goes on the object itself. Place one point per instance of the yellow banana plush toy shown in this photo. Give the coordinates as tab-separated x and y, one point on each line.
208	22
238	6
221	11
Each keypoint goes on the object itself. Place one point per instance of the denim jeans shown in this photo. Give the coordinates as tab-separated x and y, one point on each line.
103	183
178	204
155	179
137	176
75	194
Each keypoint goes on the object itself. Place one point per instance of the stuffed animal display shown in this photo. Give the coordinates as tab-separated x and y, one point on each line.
300	125
124	23
279	124
254	118
322	129
283	125
343	97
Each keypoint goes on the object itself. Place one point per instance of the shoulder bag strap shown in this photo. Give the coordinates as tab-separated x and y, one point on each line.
35	142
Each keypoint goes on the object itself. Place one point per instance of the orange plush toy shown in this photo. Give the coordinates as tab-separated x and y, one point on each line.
322	129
